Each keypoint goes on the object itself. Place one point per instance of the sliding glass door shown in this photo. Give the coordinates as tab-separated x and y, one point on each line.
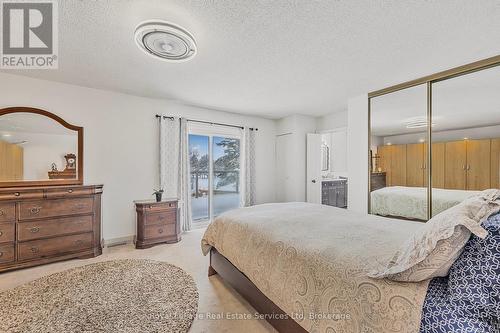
200	181
226	175
215	174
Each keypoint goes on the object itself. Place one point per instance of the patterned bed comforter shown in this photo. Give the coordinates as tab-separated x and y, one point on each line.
468	299
311	260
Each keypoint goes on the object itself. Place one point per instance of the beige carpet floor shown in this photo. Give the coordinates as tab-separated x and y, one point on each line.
127	295
216	298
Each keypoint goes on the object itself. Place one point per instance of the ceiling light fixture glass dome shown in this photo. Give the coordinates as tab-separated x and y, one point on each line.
166	41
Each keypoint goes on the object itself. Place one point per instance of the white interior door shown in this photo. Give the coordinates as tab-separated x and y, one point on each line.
284	162
313	168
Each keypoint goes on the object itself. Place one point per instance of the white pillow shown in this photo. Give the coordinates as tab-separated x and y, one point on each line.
433	250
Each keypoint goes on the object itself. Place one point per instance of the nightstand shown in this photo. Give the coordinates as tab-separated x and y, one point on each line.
157	223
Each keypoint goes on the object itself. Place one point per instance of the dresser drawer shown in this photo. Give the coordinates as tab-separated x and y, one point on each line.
21	194
162	217
54	227
7	212
68	192
55	207
6	253
159	231
7	231
54	246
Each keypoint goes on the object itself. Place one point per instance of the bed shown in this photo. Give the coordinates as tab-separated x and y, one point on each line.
411	202
304	269
310	262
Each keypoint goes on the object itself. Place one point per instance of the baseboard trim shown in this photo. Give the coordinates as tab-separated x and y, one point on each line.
118	241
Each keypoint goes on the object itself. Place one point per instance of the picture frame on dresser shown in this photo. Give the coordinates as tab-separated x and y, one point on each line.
44	220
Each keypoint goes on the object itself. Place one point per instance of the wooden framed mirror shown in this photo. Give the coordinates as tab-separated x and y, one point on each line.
38	148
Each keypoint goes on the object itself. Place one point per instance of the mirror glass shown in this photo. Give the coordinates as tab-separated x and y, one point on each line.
334	154
465	136
34	147
325	157
398	151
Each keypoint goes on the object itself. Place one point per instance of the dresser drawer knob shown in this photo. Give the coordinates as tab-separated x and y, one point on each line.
1	233
1	254
17	194
34	250
170	205
2	213
160	231
34	230
35	210
70	190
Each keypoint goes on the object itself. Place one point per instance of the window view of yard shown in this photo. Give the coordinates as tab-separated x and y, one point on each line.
224	158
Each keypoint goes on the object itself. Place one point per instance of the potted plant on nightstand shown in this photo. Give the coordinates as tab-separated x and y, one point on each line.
158	194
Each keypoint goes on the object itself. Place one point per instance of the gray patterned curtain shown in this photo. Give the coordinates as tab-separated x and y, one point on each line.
248	181
174	166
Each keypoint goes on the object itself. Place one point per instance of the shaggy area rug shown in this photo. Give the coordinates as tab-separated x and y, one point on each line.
111	296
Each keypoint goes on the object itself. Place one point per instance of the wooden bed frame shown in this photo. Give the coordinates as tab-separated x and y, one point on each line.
239	282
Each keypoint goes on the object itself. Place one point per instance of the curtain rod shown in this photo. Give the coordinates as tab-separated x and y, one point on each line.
208	122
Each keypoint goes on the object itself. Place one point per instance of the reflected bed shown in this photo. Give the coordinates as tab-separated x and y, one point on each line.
411	202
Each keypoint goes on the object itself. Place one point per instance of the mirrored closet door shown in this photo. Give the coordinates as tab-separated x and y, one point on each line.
458	112
465	136
398	153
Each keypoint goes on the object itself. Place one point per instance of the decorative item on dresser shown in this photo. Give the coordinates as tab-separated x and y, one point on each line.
157	223
39	225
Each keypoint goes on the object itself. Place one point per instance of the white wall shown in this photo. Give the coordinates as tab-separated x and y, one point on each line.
331	121
293	184
357	159
121	140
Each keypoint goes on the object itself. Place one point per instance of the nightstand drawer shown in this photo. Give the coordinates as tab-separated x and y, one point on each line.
159	231
162	217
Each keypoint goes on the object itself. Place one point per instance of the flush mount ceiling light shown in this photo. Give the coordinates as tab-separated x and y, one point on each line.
165	40
418	122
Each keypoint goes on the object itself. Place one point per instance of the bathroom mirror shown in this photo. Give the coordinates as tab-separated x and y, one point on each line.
39	148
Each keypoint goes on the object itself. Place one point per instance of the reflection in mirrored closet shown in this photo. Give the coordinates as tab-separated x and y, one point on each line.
458	112
399	154
466	136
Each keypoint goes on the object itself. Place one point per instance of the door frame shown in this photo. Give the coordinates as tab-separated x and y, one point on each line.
211	131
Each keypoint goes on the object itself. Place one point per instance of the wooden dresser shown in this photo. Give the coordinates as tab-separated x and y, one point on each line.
157	223
377	180
39	225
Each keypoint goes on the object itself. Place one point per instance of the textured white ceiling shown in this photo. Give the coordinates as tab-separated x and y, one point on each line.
273	58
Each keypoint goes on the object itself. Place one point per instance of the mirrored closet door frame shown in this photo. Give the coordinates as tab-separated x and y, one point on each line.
428	81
